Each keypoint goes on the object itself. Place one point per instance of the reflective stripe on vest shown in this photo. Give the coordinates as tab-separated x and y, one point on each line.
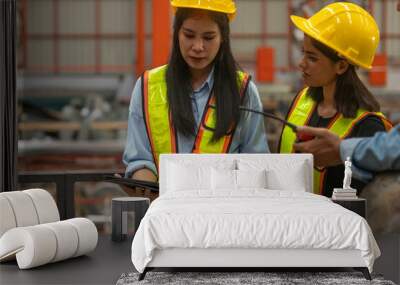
203	142
156	113
300	115
159	127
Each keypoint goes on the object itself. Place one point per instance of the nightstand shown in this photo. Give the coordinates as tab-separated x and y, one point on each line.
120	209
358	206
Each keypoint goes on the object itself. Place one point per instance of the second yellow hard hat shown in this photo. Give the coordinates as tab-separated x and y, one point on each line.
223	6
346	28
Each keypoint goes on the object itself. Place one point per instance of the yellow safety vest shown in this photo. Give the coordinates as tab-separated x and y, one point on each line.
300	114
157	117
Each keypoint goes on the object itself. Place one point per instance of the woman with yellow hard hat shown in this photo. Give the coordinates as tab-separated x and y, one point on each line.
337	39
191	105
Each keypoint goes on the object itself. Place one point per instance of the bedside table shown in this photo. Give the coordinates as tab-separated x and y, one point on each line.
119	218
358	206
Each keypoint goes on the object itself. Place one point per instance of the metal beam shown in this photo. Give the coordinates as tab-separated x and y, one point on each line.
8	120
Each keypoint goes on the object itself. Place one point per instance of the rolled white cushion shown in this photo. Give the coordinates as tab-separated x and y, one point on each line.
87	235
37	245
45	205
67	240
33	246
23	208
7	218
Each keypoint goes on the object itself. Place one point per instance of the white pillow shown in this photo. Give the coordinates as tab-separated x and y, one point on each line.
182	177
193	175
235	179
280	180
251	178
223	179
282	174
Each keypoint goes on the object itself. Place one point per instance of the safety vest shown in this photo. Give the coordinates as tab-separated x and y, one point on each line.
300	114
158	121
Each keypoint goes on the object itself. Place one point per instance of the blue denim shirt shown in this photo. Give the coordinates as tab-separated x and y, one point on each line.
249	136
374	154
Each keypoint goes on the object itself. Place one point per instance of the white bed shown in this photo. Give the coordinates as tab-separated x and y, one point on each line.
247	210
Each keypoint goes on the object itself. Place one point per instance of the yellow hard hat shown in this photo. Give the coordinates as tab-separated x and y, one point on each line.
224	6
346	28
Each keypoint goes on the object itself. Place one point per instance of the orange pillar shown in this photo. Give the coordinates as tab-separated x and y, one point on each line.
161	32
378	73
265	64
139	68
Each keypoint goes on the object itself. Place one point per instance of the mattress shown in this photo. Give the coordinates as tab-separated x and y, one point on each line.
250	219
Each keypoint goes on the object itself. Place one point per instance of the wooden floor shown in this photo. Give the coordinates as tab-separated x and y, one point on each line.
102	266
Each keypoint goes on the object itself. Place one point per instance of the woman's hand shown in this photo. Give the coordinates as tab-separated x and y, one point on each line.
147	175
325	146
141	174
144	174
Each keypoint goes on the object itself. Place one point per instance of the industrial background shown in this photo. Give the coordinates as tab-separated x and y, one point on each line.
78	61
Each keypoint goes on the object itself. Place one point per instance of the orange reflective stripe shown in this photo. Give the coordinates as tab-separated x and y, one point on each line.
201	130
146	115
203	142
386	123
322	177
319	180
227	143
349	130
344	135
203	139
333	120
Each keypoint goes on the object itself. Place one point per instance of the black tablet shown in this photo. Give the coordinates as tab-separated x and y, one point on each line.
133	183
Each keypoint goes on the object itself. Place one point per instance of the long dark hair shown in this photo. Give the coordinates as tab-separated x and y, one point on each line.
225	89
350	93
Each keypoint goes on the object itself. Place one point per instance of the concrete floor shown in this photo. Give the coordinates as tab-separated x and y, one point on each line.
102	266
110	259
389	262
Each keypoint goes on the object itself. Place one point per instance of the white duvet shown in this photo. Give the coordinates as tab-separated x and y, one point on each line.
253	218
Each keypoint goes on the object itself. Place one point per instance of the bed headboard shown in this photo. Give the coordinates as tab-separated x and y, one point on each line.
286	164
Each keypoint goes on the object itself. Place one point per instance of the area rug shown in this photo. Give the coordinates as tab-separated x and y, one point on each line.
230	278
